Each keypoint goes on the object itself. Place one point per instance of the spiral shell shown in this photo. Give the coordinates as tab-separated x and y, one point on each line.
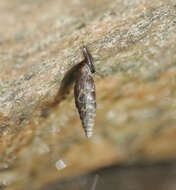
84	92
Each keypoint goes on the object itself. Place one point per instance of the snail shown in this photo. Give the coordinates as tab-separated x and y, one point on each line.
84	90
84	93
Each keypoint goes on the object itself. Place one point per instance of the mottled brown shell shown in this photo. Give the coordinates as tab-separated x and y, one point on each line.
85	98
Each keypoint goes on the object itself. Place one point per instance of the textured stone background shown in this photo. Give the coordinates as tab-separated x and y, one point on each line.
134	49
137	177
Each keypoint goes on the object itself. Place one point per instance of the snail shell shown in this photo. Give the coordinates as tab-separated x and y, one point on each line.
84	92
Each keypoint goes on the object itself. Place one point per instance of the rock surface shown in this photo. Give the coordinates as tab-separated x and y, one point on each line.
134	51
139	177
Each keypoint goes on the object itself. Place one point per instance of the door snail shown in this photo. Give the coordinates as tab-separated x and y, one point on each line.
84	92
